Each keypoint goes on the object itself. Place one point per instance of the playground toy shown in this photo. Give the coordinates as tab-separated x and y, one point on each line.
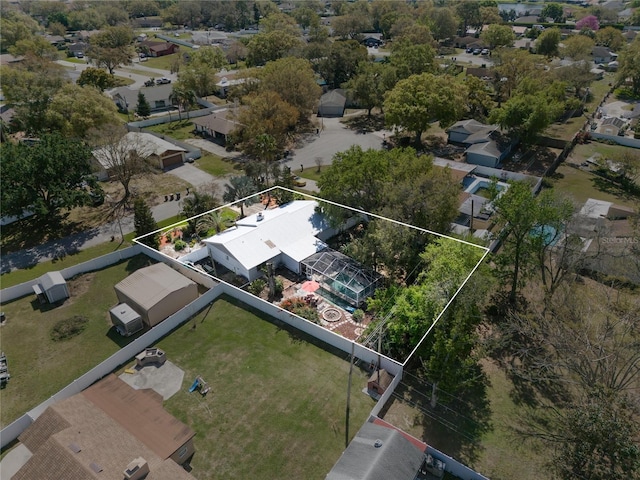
4	370
200	385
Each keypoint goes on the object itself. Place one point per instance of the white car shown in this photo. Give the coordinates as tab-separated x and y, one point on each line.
163	81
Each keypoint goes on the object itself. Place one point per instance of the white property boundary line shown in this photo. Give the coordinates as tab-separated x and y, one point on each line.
366	215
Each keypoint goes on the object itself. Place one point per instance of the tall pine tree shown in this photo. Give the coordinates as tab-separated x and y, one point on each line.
143	109
144	223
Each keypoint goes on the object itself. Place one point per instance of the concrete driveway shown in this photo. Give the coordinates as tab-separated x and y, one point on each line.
333	138
192	175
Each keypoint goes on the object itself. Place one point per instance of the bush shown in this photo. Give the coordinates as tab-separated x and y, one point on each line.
68	328
358	315
179	245
257	286
279	287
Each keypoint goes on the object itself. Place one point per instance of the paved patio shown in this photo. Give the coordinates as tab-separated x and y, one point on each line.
165	379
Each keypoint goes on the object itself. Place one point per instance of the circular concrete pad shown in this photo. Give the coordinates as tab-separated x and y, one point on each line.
164	379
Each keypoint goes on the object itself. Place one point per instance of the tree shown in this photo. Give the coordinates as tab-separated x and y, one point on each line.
589	22
267	47
294	80
267	114
96	77
554	11
548	41
577	75
341	62
45	178
526	115
37	46
370	84
196	204
610	37
443	24
240	189
478	101
416	101
183	97
144	223
199	74
143	109
629	65
577	47
349	26
498	36
124	156
112	47
469	13
16	26
215	220
511	67
29	88
410	59
75	110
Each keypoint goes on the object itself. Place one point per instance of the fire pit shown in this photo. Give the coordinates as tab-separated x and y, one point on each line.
331	314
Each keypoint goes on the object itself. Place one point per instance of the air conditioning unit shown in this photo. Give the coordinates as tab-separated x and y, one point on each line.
137	469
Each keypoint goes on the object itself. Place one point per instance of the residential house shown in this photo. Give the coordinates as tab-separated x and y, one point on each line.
148	22
219	124
611	126
7	58
57	41
372	42
332	104
160	152
109	430
486	145
158	49
225	83
285	235
380	452
602	55
158	96
78	49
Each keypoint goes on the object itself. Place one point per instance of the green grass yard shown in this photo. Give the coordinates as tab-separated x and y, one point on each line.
277	404
161	63
39	366
180	130
218	167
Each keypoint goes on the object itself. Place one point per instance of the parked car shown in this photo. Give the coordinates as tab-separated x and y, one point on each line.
485	51
469	50
477	51
163	81
298	182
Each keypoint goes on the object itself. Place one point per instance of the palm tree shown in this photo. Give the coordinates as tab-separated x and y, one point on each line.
213	220
240	188
184	97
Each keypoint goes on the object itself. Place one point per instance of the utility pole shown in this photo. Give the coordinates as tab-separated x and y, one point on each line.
346	430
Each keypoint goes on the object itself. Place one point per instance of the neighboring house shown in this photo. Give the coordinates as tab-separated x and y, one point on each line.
7	58
602	55
225	83
148	22
486	145
78	48
158	96
332	104
219	124
519	30
158	48
611	126
156	292
464	42
159	152
284	235
380	452
372	42
55	40
481	72
109	430
6	114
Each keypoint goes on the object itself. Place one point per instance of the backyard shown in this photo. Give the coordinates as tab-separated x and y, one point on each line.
40	366
276	408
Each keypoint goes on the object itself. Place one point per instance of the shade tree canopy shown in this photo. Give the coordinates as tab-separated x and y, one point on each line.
112	47
417	101
199	74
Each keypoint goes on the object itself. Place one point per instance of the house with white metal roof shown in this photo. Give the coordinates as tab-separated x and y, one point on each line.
285	235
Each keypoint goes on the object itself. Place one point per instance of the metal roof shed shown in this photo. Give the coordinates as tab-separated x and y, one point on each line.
156	292
51	286
126	320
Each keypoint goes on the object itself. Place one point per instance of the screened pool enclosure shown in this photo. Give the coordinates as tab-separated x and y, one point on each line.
341	276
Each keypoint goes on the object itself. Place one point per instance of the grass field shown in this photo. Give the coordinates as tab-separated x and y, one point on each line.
180	130
277	404
218	167
39	366
161	63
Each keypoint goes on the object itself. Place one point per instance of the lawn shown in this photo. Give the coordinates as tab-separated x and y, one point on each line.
180	130
487	445
277	404
38	365
218	167
311	173
582	185
161	63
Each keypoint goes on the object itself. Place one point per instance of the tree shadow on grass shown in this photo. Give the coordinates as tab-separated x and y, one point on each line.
365	124
457	423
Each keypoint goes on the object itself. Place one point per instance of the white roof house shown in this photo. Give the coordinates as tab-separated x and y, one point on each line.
284	235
